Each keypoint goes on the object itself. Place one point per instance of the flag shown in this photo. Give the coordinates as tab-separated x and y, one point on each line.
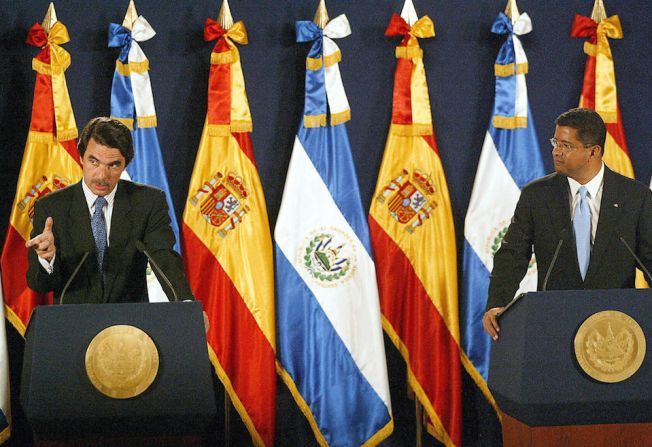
413	238
599	91
510	159
50	162
226	234
132	103
330	344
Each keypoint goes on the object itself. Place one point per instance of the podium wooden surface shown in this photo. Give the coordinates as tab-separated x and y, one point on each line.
518	434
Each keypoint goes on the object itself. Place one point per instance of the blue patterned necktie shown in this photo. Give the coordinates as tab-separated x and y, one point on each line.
582	229
98	224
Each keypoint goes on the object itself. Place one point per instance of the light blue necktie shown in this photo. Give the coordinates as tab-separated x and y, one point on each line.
98	224
582	229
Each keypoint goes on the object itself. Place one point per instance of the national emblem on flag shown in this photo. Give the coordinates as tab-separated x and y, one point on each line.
132	103
50	162
330	344
227	240
510	159
413	237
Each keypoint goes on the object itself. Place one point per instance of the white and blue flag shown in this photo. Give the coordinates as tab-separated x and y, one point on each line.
510	159
132	102
329	335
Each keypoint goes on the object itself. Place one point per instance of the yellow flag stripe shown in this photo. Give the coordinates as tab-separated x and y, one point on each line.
248	244
432	254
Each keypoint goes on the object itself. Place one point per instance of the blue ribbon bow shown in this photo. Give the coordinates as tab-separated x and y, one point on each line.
503	25
120	37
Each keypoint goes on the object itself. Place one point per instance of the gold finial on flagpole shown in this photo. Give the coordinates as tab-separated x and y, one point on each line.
599	13
225	18
511	10
321	16
131	16
408	13
50	18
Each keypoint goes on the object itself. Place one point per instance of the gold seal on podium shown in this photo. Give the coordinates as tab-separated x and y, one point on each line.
122	361
610	346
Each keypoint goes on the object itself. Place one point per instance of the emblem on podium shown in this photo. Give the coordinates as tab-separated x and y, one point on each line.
610	346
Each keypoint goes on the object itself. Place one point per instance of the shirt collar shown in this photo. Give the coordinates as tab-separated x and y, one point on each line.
592	186
91	197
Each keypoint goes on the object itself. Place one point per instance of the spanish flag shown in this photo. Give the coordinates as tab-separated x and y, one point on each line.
227	242
50	162
599	90
414	241
599	86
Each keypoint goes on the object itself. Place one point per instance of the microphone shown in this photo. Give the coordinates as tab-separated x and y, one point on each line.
141	248
638	261
564	234
74	273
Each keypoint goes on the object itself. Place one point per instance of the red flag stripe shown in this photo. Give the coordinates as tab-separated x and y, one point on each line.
432	354
244	354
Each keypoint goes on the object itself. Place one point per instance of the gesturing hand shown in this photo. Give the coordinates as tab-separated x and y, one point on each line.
43	244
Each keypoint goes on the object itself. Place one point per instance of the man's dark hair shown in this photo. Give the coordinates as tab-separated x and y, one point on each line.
589	125
108	132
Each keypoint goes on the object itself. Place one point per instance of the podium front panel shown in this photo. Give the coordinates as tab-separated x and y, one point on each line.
535	377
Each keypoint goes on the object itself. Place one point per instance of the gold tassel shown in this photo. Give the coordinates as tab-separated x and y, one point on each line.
40	137
147	121
509	122
341	117
129	122
311	121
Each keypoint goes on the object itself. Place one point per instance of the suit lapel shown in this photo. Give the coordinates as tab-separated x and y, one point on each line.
559	206
80	230
119	237
609	216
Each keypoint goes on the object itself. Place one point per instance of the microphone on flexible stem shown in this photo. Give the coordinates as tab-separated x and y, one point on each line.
638	261
141	248
74	273
564	234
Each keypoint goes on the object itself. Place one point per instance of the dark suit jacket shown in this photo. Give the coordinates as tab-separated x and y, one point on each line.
543	217
139	213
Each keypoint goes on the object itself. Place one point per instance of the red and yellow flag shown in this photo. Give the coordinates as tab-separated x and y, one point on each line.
599	87
414	243
50	162
599	90
227	242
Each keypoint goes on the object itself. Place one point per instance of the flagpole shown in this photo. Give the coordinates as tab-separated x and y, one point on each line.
599	13
511	10
225	19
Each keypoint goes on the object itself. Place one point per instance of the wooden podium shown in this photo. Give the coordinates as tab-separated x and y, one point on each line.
545	397
63	406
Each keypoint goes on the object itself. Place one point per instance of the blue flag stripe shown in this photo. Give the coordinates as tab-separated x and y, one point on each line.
339	396
477	343
519	150
338	173
147	167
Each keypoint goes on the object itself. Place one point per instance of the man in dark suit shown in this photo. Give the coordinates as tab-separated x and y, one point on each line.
107	218
584	211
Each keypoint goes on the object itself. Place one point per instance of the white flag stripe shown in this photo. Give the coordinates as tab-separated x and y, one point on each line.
348	305
484	216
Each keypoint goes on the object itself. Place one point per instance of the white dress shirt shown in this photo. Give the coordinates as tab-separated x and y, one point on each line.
90	202
594	197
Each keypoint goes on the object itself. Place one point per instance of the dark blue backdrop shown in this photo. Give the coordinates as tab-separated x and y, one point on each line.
459	66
